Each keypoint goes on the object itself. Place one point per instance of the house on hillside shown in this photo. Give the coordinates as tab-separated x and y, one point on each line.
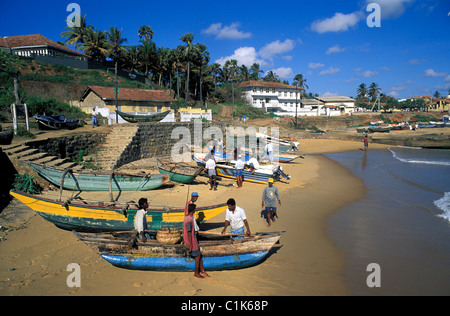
128	100
344	105
43	49
284	100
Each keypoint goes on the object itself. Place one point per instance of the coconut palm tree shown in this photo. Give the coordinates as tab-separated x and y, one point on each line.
362	91
272	77
76	35
94	45
232	68
299	81
187	39
374	91
115	42
255	70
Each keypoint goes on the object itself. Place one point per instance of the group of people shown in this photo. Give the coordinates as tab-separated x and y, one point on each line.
235	218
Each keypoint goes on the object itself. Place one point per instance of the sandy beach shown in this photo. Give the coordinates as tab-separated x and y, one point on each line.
35	254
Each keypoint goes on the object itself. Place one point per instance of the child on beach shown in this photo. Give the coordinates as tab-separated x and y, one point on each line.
190	229
366	143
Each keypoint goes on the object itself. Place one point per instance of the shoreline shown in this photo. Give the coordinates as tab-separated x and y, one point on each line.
307	262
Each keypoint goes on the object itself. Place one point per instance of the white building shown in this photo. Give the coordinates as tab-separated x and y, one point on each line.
281	99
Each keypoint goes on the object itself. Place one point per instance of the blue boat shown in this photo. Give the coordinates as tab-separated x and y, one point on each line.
219	253
56	122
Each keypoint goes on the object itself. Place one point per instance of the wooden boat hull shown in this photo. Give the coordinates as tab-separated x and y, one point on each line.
379	129
131	118
154	256
97	181
97	218
178	264
178	172
257	177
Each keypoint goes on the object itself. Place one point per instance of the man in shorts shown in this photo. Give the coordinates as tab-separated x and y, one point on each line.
190	229
269	197
211	166
240	164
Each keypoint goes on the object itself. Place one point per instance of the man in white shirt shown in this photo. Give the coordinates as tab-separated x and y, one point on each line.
240	164
236	218
211	166
140	219
269	151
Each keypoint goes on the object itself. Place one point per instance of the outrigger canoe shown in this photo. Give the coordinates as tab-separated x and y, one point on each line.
137	118
88	216
99	180
178	172
221	254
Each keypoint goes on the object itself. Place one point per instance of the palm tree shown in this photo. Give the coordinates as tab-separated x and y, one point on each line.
244	73
115	43
272	77
94	45
76	35
187	39
146	33
255	71
300	81
201	58
231	67
374	91
133	59
362	91
148	55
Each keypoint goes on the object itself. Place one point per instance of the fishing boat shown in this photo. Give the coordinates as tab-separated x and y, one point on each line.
380	129
178	172
90	216
56	122
218	254
283	145
88	180
137	118
261	175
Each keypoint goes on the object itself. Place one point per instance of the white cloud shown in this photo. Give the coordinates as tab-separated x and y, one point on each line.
315	65
330	71
226	32
338	23
430	73
284	72
334	50
276	48
330	94
366	74
244	55
248	55
391	9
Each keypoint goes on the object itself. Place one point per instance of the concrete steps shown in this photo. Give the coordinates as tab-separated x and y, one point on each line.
116	142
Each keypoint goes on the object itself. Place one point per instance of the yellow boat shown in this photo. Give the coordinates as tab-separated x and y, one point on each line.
108	216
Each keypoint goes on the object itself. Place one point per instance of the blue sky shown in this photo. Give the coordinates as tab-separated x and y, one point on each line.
329	42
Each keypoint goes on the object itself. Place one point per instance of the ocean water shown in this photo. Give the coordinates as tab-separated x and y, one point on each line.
402	224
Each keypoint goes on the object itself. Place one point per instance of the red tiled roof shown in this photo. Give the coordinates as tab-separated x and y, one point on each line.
107	93
267	84
34	40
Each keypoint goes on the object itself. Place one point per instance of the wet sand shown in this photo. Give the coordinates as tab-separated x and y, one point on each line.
35	254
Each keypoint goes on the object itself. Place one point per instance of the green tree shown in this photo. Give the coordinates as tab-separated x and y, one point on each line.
94	44
114	44
76	35
145	33
11	65
187	39
255	70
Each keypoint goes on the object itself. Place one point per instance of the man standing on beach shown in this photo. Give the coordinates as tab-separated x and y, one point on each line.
269	197
190	240
366	143
236	218
240	164
194	198
140	219
211	166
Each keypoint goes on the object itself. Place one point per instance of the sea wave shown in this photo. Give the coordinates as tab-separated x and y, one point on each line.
444	205
417	160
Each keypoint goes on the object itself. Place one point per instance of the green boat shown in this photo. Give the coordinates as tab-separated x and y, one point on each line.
138	118
178	172
98	181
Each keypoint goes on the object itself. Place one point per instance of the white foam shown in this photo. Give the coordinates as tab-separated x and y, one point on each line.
418	160
444	205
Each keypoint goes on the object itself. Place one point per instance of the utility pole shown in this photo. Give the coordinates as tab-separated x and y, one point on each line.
116	92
